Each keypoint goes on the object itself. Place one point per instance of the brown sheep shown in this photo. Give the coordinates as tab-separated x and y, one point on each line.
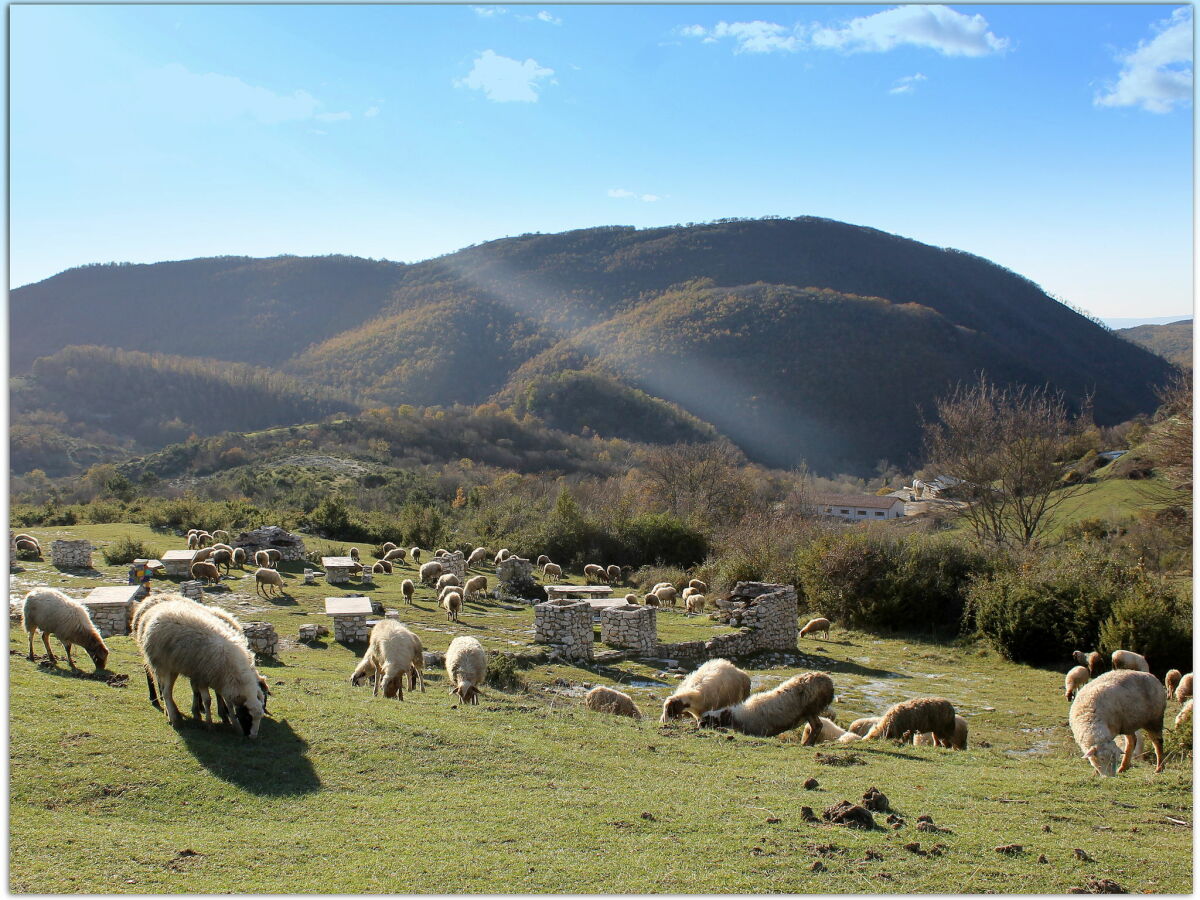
608	700
206	571
816	625
916	717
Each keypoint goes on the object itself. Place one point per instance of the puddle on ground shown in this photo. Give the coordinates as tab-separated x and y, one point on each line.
1040	748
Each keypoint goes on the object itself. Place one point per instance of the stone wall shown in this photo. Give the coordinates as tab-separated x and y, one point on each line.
566	624
766	614
71	554
261	637
455	563
192	589
351	629
630	626
515	577
271	537
110	618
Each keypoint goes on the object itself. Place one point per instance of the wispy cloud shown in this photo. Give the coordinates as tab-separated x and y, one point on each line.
907	84
488	12
372	112
506	80
332	117
938	28
1157	76
175	90
623	194
544	16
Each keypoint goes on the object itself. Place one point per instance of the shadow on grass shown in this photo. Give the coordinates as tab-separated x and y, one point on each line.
848	667
77	572
274	764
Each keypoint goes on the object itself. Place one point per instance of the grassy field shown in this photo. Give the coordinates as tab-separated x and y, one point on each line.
528	792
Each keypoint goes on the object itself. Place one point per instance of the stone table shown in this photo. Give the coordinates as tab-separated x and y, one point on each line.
337	568
109	607
349	616
178	563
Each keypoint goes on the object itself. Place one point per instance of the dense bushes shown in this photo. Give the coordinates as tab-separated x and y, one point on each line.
126	549
1148	620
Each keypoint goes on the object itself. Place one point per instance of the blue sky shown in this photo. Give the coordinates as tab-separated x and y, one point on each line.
1055	140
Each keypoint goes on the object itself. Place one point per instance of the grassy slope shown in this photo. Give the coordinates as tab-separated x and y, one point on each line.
528	792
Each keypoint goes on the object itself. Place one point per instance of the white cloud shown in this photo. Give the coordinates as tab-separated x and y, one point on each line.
505	80
1156	76
175	90
907	84
488	11
623	194
748	37
372	112
544	16
935	27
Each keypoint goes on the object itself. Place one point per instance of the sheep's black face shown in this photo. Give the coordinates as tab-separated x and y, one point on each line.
99	654
673	708
721	718
245	720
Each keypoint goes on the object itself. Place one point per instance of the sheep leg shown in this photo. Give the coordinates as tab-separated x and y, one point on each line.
166	690
31	645
1130	744
49	653
154	701
67	646
1156	739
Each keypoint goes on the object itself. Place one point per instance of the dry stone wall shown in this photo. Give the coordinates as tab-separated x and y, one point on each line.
630	626
110	618
261	637
351	629
71	554
567	625
271	537
766	614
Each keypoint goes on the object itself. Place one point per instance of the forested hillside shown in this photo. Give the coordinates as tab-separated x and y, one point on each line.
1173	341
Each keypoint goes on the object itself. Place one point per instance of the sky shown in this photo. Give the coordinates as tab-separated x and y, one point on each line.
1055	140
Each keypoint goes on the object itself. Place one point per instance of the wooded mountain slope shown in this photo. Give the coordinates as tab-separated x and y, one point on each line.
1173	341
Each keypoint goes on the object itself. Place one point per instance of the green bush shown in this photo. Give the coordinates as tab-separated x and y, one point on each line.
1147	620
503	673
661	539
125	550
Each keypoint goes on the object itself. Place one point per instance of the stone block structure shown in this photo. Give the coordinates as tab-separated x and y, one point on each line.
71	554
178	563
261	637
515	577
455	563
632	626
337	568
110	608
194	590
271	537
312	631
567	625
766	614
349	616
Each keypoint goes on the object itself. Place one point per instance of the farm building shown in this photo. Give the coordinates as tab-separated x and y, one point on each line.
858	507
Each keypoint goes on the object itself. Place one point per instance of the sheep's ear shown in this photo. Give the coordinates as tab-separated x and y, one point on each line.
1091	754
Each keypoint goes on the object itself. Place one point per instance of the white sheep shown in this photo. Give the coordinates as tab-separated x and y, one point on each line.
551	570
609	700
395	555
452	604
1184	691
179	637
430	571
917	716
593	572
862	727
695	604
262	559
393	654
407	588
1119	702
666	595
475	586
265	578
54	613
478	555
716	684
829	732
613	573
690	591
1129	661
1185	713
501	555
466	667
448	579
440	552
801	698
414	553
1076	678
958	742
816	625
193	540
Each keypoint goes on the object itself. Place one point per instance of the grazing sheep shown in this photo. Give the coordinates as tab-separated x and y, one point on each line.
262	559
1119	702
958	742
1171	682
631	599
1081	658
452	604
816	625
202	555
216	547
829	732
54	613
354	553
551	570
1095	663
221	531
201	700
1127	659
690	591
205	571
661	584
466	667
1184	691
475	586
1185	713
203	539
264	578
395	555
695	604
449	578
384	548
193	541
541	560
863	726
391	656
1076	678
275	556
593	572
613	573
501	555
387	566
24	546
378	569
239	557
716	684
917	716
478	555
222	558
355	568
414	553
768	713
179	637
650	600
666	595
698	585
430	571
407	588
608	700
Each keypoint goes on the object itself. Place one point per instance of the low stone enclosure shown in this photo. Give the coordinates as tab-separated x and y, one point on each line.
271	537
71	554
767	614
261	637
111	607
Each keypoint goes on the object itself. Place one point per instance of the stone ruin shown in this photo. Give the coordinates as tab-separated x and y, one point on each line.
71	554
630	626
311	631
271	537
766	614
515	577
567	625
261	637
192	589
455	564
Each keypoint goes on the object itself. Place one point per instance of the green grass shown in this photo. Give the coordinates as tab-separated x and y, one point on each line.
1108	499
528	792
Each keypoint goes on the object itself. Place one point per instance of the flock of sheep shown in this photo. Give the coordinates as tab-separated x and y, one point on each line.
179	637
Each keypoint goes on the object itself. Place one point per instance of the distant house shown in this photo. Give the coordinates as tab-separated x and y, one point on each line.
858	507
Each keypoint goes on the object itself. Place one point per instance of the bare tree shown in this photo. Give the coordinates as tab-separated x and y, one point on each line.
700	482
1170	443
1006	449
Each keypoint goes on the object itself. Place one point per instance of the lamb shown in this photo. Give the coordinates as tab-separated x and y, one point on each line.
1171	682
396	554
1076	678
862	727
829	732
768	713
816	625
392	655
698	585
541	560
452	603
501	555
205	571
666	595
466	667
264	578
478	555
414	554
1127	659
613	573
1185	713
407	588
917	716
716	684
178	637
1095	663
354	553
430	571
449	578
958	742
1119	702
695	604
1184	691
593	572
262	559
54	613
239	557
476	585
551	570
606	699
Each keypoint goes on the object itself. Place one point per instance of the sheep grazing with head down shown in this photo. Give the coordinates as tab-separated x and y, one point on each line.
1185	713
1123	701
917	716
266	581
452	604
613	573
551	570
448	579
430	572
54	613
1076	678
650	600
695	604
262	559
716	684
1184	691
414	553
395	555
768	713
593	572
829	731
1171	682
478	556
1095	663
466	668
179	637
666	595
958	742
205	571
815	626
1129	661
393	654
698	585
384	566
220	534
475	586
239	557
862	727
631	599
607	700
407	588
501	555
384	548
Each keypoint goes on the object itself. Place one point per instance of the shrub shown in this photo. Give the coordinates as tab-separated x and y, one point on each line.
125	550
658	538
503	673
1147	620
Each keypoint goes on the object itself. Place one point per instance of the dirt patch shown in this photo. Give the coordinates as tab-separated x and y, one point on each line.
846	813
840	759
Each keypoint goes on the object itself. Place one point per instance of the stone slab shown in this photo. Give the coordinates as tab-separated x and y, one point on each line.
179	555
348	606
337	562
121	594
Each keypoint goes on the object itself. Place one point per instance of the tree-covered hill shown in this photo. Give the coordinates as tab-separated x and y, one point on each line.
1173	341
